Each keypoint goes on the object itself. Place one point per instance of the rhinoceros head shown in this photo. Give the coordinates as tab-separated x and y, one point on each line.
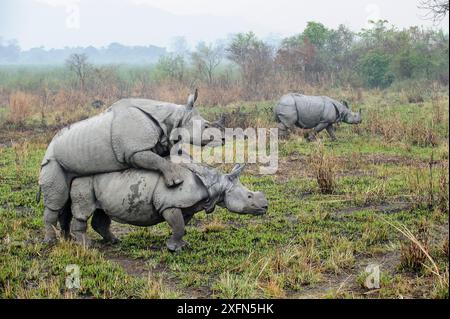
239	199
351	117
195	123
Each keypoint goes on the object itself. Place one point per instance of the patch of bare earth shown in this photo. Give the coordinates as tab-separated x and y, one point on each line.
141	268
386	208
299	166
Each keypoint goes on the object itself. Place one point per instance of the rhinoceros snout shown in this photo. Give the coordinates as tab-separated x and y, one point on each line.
262	203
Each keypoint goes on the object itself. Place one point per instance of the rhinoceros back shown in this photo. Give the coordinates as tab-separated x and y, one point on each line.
139	197
309	110
127	196
85	147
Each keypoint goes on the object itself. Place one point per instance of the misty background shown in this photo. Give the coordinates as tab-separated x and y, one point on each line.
142	31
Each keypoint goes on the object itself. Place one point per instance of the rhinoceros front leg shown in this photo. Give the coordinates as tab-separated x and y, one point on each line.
174	218
283	130
317	129
152	161
331	131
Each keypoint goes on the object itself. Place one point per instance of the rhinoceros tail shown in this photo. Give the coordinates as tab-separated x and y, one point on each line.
38	195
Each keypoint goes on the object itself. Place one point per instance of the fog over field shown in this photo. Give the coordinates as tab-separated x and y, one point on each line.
73	23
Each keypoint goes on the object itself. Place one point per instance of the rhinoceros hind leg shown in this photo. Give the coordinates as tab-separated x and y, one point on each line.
65	218
283	130
175	219
50	222
101	224
54	185
152	161
331	132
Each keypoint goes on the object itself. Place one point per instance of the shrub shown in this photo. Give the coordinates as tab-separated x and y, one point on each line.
374	69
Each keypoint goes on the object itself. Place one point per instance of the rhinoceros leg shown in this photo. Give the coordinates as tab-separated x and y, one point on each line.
101	224
50	222
152	161
83	206
283	130
317	129
174	218
134	137
54	188
331	132
65	218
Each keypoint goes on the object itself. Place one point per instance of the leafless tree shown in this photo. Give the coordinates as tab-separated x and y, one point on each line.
206	59
78	64
437	9
254	57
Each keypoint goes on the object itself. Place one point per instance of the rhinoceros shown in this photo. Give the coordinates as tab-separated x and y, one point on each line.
141	197
312	112
130	133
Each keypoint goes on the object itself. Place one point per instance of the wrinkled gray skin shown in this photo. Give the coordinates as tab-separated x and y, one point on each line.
312	112
130	133
141	198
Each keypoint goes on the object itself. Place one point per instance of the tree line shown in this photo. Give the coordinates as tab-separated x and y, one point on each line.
375	57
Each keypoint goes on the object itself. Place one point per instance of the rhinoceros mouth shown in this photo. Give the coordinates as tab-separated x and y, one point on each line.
258	212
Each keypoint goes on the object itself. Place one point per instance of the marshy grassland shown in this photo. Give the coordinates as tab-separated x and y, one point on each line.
377	195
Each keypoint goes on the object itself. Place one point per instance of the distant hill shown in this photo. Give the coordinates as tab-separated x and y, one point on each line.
114	53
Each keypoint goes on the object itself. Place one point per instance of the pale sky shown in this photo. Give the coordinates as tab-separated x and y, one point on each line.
60	23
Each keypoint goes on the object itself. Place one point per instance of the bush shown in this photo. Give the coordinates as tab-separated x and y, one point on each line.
374	69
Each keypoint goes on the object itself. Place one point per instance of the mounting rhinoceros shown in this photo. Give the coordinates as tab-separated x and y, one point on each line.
141	198
130	133
312	112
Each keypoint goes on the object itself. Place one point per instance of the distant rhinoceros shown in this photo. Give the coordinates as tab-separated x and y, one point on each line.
312	112
141	197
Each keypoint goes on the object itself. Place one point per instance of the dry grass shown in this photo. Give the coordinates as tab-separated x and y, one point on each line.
214	226
414	252
324	167
428	187
21	106
415	256
442	200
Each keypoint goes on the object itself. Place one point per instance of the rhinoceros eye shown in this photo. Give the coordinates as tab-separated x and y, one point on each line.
250	196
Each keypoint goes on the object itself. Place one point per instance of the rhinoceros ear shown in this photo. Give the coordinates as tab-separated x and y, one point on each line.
236	172
345	103
191	100
220	122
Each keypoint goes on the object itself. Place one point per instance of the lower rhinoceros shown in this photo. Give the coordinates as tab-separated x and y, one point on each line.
312	112
141	197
